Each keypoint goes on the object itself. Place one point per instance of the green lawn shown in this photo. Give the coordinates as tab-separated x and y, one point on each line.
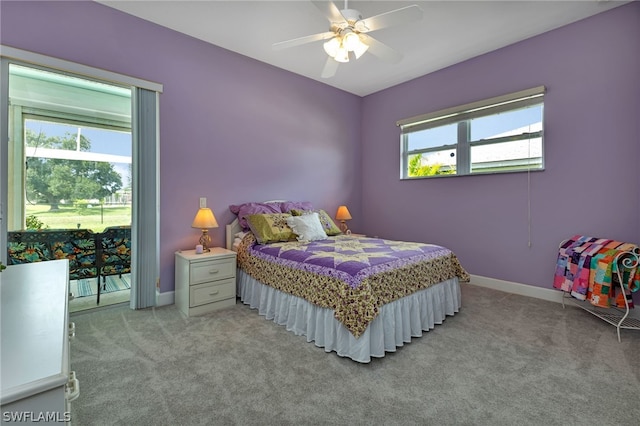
94	218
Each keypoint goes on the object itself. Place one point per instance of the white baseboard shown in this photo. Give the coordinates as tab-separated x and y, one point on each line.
549	294
166	298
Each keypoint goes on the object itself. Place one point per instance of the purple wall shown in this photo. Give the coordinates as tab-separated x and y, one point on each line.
232	129
591	184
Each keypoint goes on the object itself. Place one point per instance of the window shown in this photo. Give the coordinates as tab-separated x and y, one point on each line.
70	150
497	135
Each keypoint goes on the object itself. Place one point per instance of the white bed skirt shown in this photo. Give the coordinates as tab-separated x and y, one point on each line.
396	324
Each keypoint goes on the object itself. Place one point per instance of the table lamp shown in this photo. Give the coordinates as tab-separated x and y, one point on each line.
204	220
343	215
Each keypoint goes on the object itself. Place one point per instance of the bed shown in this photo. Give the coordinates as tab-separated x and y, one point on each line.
358	296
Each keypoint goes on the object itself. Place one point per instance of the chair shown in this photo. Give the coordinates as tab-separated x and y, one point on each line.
114	254
76	245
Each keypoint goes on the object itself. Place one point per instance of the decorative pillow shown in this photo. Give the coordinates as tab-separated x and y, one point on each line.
307	227
287	206
329	226
270	227
246	209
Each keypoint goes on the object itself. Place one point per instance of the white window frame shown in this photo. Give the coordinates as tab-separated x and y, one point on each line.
461	115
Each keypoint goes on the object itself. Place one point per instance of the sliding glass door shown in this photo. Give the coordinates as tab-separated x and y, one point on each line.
79	150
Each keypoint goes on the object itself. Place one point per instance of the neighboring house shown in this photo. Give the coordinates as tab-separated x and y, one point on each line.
233	129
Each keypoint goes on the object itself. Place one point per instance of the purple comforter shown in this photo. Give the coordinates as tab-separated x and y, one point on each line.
351	275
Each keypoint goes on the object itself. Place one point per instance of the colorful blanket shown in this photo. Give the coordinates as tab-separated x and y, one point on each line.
350	275
592	269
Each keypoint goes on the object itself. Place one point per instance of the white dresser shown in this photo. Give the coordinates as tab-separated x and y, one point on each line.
37	383
205	282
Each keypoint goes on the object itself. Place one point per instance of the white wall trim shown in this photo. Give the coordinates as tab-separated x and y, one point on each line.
77	68
549	294
165	298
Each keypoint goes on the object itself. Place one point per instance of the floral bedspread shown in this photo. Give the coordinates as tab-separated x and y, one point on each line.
352	276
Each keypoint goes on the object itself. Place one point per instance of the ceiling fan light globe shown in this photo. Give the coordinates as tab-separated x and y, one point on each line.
351	41
359	51
332	46
342	55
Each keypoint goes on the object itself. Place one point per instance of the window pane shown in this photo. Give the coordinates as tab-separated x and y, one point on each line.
65	136
523	120
507	156
71	169
432	163
432	138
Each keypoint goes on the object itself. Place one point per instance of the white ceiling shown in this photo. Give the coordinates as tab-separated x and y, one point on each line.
450	31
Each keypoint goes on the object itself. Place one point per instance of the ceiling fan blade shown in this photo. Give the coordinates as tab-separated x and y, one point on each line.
394	17
381	50
330	10
330	68
303	40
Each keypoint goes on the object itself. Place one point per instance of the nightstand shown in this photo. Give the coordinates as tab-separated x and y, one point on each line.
205	282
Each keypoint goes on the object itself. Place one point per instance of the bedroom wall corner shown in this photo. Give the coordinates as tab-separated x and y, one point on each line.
590	69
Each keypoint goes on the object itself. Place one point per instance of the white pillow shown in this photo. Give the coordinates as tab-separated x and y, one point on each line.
307	227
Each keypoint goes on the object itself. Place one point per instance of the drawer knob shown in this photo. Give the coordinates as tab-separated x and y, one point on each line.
213	271
214	293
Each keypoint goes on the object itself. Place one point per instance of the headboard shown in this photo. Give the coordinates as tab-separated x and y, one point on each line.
234	227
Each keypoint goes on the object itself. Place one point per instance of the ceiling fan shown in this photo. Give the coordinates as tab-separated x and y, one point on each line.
348	37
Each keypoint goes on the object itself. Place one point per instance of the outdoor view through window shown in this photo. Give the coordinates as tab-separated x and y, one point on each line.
76	176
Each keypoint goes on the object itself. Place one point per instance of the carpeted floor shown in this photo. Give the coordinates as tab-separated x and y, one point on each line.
502	360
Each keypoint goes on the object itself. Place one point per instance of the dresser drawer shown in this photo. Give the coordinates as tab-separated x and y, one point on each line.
212	292
202	272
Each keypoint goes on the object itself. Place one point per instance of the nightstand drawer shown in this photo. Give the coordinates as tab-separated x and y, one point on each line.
202	272
212	292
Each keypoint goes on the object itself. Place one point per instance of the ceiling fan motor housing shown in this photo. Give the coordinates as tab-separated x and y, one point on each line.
351	15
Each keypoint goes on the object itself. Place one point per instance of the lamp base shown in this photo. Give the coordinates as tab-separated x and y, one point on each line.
205	240
344	228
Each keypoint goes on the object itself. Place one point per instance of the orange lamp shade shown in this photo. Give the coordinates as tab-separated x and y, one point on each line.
343	213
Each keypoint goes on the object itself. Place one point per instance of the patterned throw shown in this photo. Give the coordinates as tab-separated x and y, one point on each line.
352	276
587	269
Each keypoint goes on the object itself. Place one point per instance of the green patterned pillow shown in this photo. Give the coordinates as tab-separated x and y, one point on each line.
329	226
270	227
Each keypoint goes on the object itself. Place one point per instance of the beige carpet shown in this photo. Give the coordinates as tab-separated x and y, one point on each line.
502	360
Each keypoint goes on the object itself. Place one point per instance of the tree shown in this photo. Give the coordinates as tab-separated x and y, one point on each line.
54	179
416	168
